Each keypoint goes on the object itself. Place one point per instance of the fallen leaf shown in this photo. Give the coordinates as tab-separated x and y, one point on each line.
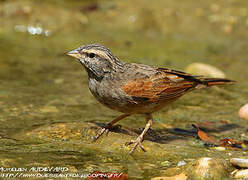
204	136
227	142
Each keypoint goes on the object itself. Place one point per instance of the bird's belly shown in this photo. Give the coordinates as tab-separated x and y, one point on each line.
110	96
143	108
115	98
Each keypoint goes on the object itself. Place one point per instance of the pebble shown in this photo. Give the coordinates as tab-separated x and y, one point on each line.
205	70
241	174
243	163
181	163
207	168
243	112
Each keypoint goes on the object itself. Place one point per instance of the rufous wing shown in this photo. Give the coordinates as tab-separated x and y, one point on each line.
162	85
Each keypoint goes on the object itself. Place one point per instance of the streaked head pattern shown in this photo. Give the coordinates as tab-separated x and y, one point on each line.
96	58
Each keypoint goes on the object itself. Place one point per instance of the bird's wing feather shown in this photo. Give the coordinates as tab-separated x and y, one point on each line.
163	84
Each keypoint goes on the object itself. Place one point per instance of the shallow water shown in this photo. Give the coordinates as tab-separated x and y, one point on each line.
48	115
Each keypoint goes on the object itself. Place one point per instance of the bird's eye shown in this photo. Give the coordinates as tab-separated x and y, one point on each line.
91	55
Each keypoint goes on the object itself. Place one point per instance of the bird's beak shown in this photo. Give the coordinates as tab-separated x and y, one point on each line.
74	53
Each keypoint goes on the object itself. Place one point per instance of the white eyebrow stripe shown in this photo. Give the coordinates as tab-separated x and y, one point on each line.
97	52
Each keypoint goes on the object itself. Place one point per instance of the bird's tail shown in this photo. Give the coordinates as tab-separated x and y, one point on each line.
215	81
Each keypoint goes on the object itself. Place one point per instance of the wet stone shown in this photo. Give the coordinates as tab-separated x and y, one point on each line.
181	163
241	174
207	168
243	112
240	162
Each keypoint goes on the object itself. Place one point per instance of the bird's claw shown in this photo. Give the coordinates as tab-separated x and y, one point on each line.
136	143
103	130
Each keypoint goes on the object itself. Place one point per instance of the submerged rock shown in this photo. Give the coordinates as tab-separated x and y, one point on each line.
240	162
243	112
205	70
207	168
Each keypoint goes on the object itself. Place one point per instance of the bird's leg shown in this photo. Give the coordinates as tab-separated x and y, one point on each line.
140	138
109	125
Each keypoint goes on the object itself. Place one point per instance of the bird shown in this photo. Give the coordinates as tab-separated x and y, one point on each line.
132	88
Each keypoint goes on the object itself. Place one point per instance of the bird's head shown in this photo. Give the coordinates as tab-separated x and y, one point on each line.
97	59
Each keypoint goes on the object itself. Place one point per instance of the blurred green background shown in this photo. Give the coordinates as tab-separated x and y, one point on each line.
46	108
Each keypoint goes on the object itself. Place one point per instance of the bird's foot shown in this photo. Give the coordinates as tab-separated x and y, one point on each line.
103	130
136	143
